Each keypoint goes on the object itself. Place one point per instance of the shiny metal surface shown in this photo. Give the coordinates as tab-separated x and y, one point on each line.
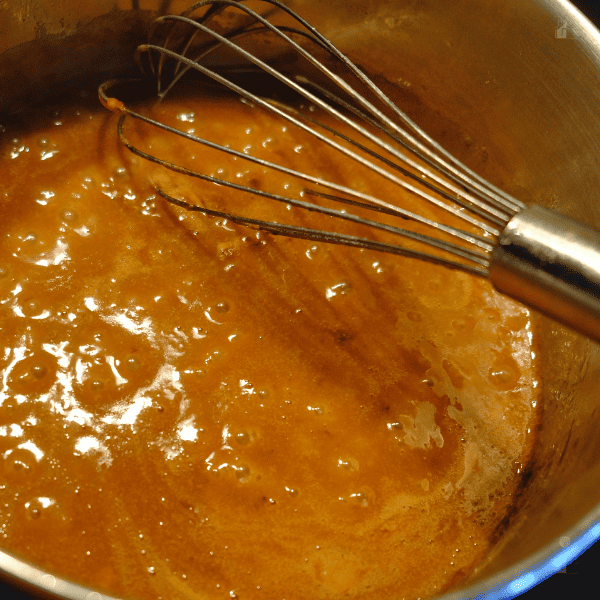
516	101
551	263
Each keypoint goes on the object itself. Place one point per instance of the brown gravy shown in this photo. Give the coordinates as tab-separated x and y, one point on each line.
192	409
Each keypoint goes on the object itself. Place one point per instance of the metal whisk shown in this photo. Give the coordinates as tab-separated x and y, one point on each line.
530	253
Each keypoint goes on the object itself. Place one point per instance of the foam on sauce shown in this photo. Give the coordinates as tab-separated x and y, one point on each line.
190	408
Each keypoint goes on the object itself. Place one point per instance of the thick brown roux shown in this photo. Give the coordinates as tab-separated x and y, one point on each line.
192	409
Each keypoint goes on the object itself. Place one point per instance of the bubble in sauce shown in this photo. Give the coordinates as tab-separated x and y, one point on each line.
120	172
17	149
32	307
504	373
38	507
339	289
222	307
216	354
68	214
493	315
348	464
34	374
312	251
97	385
242	437
504	377
464	324
222	173
377	267
187	117
88	182
364	497
133	362
20	463
39	370
270	142
242	472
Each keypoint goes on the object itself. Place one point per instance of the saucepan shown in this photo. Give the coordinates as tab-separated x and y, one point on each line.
522	77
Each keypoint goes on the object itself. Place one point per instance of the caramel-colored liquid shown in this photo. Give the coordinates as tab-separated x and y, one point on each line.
192	409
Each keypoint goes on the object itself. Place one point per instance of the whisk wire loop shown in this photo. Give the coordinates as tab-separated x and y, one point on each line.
466	253
459	170
319	235
438	186
326	140
431	187
379	119
533	254
495	193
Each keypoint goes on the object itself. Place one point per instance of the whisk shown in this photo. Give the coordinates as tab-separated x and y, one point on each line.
537	256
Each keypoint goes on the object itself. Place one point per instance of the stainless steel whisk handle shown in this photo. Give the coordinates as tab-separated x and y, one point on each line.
551	263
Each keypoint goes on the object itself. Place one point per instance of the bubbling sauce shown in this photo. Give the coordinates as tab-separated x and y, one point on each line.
189	408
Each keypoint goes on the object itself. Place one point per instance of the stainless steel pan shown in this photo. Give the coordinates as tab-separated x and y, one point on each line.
520	76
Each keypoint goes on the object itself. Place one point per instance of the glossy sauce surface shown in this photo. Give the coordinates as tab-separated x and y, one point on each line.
193	409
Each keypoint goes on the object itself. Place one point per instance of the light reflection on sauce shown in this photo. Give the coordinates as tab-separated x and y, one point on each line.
193	409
